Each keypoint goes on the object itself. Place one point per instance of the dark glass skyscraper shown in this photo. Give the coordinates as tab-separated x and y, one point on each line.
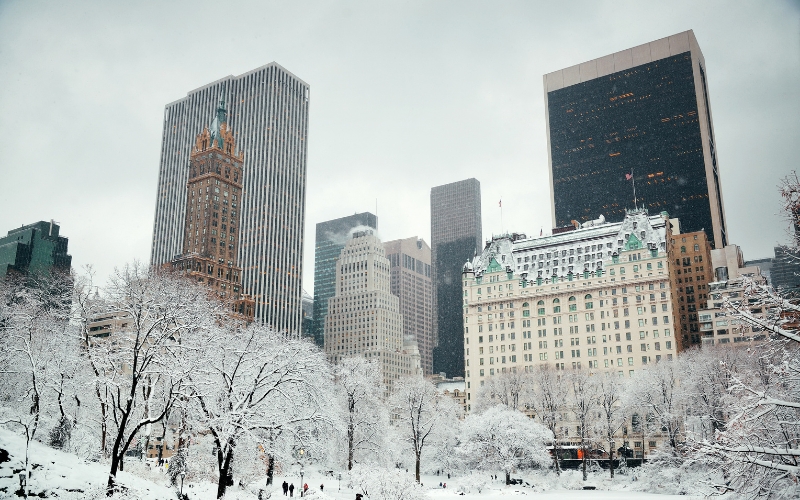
455	239
331	238
643	111
35	248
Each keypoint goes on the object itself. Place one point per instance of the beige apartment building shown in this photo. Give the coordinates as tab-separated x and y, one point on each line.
410	260
364	316
692	271
600	299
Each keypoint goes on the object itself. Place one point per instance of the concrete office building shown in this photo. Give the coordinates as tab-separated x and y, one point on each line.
455	238
593	297
692	271
36	248
331	237
268	115
410	261
645	111
364	316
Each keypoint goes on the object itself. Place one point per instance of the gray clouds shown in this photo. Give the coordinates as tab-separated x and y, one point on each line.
404	96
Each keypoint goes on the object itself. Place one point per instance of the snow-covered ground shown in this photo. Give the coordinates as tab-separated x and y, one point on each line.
62	475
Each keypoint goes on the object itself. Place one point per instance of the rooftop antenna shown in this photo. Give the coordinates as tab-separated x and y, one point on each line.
501	214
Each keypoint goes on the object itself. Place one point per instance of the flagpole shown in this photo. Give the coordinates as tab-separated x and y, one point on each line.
501	215
633	181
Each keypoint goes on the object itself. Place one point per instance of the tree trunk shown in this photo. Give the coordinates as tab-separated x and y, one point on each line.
585	474
417	466
555	455
270	468
351	431
225	473
611	461
508	477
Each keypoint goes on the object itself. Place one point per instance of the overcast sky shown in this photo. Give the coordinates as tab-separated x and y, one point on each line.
404	96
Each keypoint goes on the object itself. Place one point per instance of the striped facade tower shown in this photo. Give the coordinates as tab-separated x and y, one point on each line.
268	115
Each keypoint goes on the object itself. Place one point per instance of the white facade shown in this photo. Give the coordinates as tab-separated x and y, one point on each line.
268	113
602	301
364	317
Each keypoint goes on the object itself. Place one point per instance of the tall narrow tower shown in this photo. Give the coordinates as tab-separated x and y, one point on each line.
213	201
268	114
455	239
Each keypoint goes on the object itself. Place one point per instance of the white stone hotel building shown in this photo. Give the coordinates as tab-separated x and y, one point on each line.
593	296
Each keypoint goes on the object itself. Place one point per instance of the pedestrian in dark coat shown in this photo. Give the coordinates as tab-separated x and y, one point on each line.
291	490
285	486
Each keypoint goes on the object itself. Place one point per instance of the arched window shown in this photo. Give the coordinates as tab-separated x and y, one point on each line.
540	308
556	301
525	304
696	247
556	306
588	304
573	305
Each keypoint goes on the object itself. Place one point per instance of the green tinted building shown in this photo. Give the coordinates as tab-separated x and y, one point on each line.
331	238
35	248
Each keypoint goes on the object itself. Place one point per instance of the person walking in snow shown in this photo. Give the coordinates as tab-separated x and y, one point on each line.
291	490
321	487
285	486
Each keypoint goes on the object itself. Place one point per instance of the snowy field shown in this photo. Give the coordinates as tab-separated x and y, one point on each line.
61	475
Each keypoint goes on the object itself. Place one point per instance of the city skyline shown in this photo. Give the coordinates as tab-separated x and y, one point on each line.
71	76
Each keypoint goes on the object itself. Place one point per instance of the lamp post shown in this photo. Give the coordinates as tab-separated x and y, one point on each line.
183	475
302	488
340	481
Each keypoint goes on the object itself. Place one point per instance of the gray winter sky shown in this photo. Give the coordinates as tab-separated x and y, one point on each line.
404	96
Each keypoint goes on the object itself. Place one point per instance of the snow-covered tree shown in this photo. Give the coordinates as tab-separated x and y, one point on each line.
364	414
582	403
143	368
385	484
34	345
422	415
759	447
512	389
612	415
659	394
551	393
505	439
258	385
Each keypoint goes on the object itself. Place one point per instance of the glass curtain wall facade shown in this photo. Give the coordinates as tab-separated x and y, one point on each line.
331	238
455	239
268	114
651	120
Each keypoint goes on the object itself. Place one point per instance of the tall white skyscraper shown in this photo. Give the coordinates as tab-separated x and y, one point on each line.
268	114
363	316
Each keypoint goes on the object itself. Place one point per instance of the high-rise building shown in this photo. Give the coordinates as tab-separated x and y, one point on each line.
364	316
410	260
596	297
213	200
691	273
455	238
330	240
643	111
36	248
268	115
